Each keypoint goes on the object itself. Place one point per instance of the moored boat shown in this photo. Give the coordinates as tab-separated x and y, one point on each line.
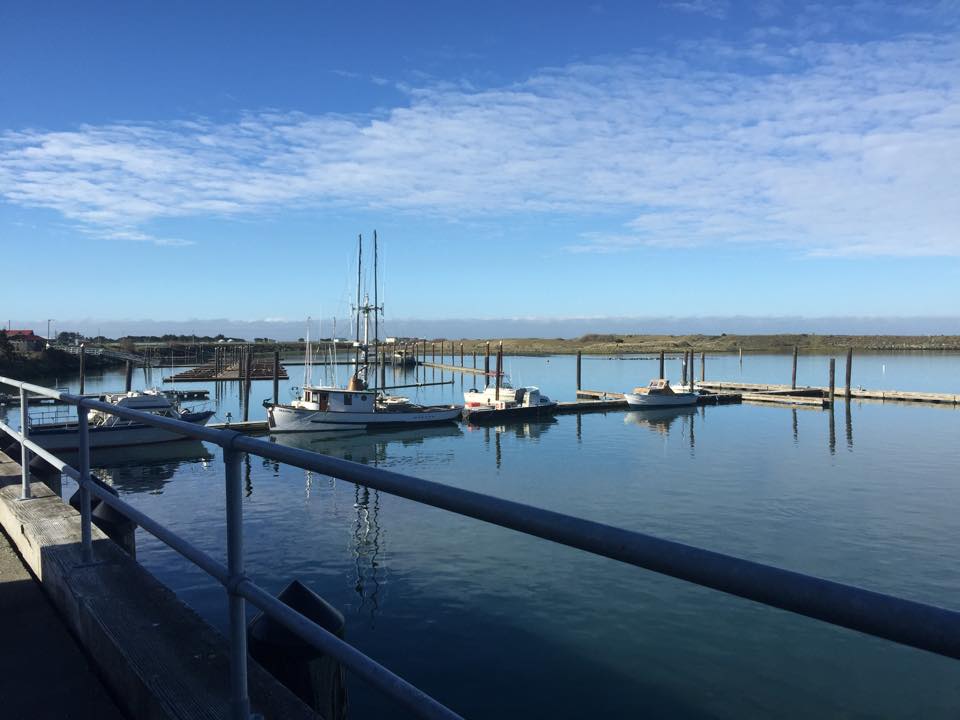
659	394
504	402
107	430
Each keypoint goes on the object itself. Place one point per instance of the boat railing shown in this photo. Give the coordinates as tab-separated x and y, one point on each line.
900	620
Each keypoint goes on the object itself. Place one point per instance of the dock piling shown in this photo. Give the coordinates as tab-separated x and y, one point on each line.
832	390
703	366
579	359
793	377
849	372
83	362
486	366
276	376
128	376
661	375
499	369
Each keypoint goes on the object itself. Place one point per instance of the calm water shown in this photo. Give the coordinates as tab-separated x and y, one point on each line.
499	625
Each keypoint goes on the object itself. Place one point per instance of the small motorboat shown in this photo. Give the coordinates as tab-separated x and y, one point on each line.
506	402
108	430
659	394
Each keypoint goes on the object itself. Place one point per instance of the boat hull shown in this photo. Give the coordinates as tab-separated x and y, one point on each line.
283	418
66	437
645	400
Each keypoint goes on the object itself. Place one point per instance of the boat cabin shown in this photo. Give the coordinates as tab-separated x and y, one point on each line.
660	386
337	400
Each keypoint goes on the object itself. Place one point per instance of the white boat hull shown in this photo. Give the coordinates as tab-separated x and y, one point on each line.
651	400
67	438
284	418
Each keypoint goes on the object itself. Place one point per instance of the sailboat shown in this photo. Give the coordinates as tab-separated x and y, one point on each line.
356	406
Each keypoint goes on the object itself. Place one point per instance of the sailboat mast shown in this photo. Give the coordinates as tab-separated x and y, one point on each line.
376	315
359	269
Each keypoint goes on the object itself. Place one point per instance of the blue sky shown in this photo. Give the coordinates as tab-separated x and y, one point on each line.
536	160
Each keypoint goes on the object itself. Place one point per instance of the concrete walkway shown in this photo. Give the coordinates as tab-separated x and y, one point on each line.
43	673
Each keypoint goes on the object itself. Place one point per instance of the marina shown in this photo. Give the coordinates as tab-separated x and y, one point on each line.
386	580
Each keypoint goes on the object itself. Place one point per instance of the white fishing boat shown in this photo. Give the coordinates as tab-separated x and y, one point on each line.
108	430
659	394
332	408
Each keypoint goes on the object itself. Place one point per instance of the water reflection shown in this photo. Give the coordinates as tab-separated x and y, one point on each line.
369	576
849	425
365	447
147	468
660	420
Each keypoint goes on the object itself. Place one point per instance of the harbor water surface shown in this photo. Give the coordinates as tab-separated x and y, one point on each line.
496	624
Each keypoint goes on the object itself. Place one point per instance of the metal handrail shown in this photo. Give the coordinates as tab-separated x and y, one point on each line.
919	625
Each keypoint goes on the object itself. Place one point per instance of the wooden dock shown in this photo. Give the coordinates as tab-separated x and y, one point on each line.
260	370
455	368
840	392
616	400
247	427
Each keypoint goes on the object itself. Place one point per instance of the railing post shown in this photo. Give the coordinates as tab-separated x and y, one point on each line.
239	700
24	451
83	451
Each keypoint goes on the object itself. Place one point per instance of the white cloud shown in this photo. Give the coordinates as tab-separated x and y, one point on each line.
711	8
840	149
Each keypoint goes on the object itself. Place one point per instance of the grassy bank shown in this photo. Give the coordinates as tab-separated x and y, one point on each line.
811	344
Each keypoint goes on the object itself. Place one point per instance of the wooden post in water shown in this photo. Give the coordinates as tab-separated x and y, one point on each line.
499	369
128	376
661	375
486	366
276	376
703	366
793	377
832	389
83	362
849	371
248	366
579	359
474	357
383	368
461	354
433	352
683	369
740	348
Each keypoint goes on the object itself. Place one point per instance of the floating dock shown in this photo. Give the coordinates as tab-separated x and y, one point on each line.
259	370
840	392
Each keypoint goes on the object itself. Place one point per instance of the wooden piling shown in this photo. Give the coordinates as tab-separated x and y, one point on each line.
461	354
83	359
793	377
433	351
499	370
383	368
703	366
740	349
683	369
248	371
276	377
486	365
579	360
849	372
128	376
661	375
832	388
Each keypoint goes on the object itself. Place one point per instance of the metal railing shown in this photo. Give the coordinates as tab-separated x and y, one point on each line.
918	625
